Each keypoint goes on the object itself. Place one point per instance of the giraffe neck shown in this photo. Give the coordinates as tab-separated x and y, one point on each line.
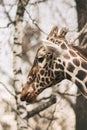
75	68
75	65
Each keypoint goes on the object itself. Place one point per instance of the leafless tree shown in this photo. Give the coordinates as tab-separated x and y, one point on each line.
44	109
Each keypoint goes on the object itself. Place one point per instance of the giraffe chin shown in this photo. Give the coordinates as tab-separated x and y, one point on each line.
30	98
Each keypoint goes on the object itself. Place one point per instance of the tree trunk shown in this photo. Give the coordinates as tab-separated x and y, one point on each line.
81	6
81	104
17	55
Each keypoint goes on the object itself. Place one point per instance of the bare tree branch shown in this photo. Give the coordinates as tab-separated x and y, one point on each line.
34	22
6	11
38	2
68	94
42	107
79	34
83	41
6	26
7	89
48	118
8	16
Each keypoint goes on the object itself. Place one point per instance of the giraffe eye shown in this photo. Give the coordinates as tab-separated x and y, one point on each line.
40	59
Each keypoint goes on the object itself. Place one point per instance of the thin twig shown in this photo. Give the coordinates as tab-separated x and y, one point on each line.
79	34
37	2
8	16
6	12
6	26
82	44
68	94
45	117
7	89
34	22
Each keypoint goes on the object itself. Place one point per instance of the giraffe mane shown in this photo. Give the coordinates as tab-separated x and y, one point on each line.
81	51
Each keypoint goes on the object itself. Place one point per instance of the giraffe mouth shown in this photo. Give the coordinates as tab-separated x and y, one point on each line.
24	97
29	97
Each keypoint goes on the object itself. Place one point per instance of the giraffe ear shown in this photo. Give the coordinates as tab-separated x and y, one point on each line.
53	32
50	46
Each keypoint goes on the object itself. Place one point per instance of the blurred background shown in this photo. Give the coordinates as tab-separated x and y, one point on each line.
70	112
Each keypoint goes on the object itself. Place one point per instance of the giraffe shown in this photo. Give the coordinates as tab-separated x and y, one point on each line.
55	61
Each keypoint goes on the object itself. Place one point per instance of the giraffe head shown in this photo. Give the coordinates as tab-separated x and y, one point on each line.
47	69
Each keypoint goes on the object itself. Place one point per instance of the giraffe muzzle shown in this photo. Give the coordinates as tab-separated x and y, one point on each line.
23	97
28	97
28	94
